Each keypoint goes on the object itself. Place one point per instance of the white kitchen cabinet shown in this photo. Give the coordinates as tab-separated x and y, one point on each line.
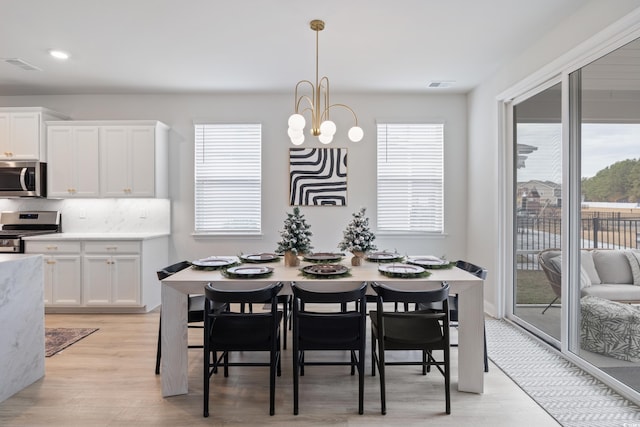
133	161
62	271
101	275
74	161
23	134
111	273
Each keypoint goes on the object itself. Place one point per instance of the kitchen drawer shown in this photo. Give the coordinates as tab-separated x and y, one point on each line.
51	247
112	247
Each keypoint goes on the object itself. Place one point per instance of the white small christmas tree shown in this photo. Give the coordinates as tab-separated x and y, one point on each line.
358	237
296	233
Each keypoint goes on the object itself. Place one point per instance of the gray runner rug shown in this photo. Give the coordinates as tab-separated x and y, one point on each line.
569	394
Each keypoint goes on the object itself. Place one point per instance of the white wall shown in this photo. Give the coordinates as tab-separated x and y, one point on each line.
484	186
272	110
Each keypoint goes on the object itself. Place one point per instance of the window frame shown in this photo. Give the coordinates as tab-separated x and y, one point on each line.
231	135
413	227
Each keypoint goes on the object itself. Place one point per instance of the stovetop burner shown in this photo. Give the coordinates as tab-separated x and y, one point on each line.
16	225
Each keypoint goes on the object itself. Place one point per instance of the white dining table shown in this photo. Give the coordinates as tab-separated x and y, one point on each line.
174	363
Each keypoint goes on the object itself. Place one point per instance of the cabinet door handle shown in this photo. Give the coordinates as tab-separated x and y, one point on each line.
52	248
112	248
50	261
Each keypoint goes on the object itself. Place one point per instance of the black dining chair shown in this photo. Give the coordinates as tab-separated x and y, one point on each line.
230	331
426	331
334	327
195	308
479	272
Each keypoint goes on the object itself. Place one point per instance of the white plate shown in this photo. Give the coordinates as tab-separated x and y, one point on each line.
262	257
215	261
401	268
427	260
245	270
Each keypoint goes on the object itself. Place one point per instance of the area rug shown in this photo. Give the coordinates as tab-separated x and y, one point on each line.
57	339
569	394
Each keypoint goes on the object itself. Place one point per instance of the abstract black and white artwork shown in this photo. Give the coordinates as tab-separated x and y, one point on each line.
318	176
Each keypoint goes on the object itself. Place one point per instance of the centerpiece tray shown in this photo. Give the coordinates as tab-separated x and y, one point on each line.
259	258
325	270
248	272
384	256
431	262
406	271
214	262
323	257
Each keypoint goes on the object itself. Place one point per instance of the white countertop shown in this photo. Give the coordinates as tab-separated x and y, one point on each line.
97	236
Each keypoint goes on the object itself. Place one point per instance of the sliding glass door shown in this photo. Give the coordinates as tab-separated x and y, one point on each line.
575	205
537	202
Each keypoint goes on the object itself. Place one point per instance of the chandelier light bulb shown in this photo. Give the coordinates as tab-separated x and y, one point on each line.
298	140
325	139
328	128
295	133
356	133
297	121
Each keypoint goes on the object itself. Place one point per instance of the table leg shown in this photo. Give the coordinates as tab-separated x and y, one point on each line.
175	362
471	339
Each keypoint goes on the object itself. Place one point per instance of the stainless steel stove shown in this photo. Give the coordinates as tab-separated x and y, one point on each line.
16	225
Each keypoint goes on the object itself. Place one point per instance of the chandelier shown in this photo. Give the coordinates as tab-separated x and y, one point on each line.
316	101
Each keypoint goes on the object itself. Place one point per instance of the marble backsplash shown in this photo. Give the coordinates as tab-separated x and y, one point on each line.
102	215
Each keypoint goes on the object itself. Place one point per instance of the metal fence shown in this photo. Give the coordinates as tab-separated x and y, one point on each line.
610	230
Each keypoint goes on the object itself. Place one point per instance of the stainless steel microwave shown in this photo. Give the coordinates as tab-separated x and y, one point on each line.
23	179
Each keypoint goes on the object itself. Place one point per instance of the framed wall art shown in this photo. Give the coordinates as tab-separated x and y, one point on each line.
318	176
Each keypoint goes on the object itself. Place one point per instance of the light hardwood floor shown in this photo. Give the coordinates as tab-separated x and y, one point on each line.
107	379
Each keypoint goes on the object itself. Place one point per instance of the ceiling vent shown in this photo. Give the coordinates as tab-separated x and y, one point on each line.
22	64
440	84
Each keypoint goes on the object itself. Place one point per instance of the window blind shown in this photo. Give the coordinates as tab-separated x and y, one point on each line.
410	177
228	178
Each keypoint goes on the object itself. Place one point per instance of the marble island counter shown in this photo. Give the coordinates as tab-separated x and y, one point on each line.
22	320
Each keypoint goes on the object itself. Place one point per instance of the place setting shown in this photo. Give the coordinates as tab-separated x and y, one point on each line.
259	258
430	262
215	263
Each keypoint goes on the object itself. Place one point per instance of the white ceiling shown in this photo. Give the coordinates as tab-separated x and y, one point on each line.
205	46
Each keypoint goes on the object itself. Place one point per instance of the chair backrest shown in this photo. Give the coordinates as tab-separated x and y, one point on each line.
340	329
472	268
388	294
413	328
173	268
242	331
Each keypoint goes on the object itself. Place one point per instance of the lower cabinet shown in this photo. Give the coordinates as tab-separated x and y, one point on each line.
62	271
101	276
112	273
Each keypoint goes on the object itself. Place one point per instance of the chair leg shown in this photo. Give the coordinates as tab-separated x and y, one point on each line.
373	355
383	391
486	359
296	379
159	349
447	381
361	355
550	304
272	381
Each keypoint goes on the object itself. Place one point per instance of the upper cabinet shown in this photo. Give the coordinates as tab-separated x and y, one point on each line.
22	132
108	159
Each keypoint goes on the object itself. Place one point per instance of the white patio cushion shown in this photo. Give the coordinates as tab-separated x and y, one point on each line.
634	263
612	266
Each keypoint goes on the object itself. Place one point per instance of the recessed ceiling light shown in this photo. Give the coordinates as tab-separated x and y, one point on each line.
58	54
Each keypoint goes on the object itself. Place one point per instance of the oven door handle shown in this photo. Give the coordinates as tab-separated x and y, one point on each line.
23	175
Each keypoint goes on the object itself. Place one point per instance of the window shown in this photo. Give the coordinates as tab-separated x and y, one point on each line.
410	177
228	179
